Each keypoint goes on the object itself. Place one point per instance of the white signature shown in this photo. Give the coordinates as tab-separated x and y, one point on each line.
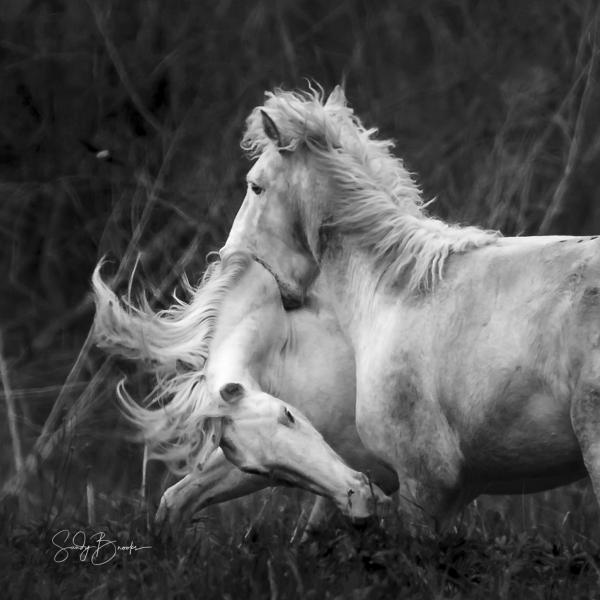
98	551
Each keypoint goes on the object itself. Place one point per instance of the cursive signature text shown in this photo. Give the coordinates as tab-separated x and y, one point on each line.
97	548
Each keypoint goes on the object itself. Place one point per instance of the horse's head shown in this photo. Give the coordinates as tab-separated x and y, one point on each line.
281	216
265	436
269	226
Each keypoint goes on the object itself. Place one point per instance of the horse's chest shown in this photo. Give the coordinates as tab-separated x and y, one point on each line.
392	411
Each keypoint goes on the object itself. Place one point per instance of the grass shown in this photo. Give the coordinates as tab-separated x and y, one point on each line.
119	136
228	554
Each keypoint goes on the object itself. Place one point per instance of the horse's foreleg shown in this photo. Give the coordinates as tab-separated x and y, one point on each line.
404	431
218	481
585	418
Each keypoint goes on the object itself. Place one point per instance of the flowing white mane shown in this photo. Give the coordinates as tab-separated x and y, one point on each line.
377	203
175	418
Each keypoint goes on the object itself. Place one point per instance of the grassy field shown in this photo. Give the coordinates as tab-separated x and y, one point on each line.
119	135
530	552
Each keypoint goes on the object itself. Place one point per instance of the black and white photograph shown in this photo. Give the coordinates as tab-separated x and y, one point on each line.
300	299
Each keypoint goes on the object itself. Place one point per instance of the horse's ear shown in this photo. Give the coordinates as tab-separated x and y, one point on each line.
231	392
271	130
337	96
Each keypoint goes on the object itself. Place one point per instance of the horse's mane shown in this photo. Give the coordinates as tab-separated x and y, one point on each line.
175	418
377	201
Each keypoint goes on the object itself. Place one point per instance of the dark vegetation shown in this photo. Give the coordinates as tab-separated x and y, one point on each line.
119	135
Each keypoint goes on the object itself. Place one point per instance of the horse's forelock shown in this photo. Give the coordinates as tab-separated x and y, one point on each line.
301	117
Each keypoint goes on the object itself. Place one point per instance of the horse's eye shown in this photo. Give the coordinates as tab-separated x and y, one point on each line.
286	418
256	189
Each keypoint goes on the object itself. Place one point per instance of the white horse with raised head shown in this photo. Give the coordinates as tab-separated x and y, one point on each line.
234	337
477	356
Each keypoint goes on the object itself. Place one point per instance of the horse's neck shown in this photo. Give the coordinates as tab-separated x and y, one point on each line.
312	363
350	283
317	297
249	320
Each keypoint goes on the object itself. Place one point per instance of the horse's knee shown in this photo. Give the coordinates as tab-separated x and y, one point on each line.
585	417
585	420
171	503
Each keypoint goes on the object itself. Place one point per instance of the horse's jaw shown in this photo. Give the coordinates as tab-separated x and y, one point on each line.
293	295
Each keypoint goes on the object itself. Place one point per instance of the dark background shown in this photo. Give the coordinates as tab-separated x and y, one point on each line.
120	125
494	105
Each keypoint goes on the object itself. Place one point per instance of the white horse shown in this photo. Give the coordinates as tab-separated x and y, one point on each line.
235	331
477	356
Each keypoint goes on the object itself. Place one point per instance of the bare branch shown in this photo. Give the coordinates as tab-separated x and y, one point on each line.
558	198
122	71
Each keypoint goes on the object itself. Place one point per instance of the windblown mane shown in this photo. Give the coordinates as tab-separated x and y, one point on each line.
175	418
377	201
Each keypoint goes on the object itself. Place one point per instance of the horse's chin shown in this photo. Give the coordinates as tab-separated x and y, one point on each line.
291	298
292	295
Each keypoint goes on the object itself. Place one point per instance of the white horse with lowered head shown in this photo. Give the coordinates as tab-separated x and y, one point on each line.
477	356
234	335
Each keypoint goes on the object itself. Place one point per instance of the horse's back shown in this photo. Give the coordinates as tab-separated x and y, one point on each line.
516	305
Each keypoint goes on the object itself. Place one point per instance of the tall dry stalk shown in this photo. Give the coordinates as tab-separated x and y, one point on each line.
62	421
589	37
10	410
